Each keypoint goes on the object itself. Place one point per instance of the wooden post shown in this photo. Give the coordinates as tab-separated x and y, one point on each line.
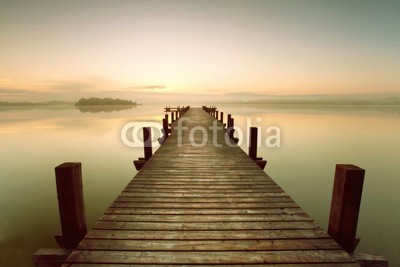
228	120
253	142
345	206
216	114
147	140
172	117
165	128
166	117
222	117
70	203
230	127
177	115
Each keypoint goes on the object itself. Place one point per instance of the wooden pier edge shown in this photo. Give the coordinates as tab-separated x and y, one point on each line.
192	208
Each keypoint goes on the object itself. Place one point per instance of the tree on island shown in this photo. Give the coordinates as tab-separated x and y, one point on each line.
95	101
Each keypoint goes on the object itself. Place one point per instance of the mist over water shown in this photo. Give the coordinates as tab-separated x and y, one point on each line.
313	140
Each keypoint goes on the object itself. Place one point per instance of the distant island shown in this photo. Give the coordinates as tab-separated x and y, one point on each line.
95	101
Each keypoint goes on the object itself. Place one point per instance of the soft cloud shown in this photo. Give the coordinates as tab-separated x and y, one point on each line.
8	91
51	89
146	88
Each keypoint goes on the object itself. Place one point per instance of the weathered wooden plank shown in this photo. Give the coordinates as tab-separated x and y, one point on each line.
204	226
197	211
208	245
194	186
161	191
204	218
207	235
204	205
234	257
205	200
205	195
201	181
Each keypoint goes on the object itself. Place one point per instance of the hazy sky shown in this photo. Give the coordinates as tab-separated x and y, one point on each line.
68	49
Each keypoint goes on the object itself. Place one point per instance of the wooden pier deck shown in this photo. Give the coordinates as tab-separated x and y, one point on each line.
205	205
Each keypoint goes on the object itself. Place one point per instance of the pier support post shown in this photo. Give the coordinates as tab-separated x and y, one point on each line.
345	206
253	143
253	139
228	121
166	119
222	117
172	117
70	203
231	129
165	127
147	140
216	114
147	145
231	126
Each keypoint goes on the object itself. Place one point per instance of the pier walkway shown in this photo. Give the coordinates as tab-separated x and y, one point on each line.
205	204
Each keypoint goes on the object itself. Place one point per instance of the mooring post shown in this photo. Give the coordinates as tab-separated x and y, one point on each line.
345	206
231	129
166	118
70	203
228	120
147	140
222	117
253	142
253	139
165	127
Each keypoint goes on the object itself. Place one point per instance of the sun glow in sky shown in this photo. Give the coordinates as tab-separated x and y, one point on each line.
69	49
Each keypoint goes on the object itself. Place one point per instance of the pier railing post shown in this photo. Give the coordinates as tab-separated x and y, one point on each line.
70	203
231	127
228	121
147	140
253	139
345	206
165	127
166	119
253	142
230	130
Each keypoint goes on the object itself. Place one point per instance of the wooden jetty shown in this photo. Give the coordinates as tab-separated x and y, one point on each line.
200	204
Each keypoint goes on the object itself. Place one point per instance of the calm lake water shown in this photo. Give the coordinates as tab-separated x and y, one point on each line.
313	140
